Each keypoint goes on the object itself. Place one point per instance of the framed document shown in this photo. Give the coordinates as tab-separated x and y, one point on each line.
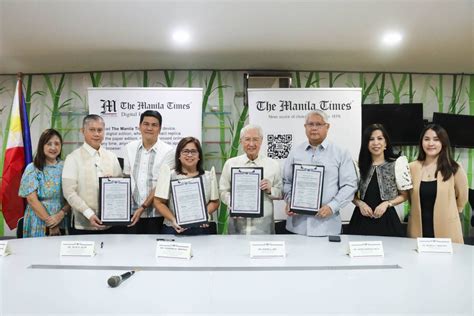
246	198
307	188
115	200
189	202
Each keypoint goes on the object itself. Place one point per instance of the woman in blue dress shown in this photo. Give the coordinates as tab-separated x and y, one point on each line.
41	186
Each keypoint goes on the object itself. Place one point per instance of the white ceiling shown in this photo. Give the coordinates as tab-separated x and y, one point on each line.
81	35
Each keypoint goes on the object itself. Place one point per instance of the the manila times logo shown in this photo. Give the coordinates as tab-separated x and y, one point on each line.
108	107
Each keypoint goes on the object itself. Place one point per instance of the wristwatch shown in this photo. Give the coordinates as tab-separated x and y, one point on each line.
144	206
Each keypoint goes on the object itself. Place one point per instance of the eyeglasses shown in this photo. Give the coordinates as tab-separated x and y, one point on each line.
315	125
191	152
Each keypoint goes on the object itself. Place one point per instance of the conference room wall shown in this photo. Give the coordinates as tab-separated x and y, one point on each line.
60	101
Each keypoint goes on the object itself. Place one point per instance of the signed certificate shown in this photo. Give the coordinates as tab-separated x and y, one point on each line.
307	188
115	200
246	198
189	202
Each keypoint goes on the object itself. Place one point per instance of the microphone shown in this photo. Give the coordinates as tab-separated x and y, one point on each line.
116	280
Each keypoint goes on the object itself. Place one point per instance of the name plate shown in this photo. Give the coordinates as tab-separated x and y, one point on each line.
169	249
267	249
365	249
441	245
4	250
77	248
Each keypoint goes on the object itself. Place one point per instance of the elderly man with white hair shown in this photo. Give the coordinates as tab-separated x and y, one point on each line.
339	184
251	137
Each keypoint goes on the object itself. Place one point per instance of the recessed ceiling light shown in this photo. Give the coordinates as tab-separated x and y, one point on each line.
392	38
181	36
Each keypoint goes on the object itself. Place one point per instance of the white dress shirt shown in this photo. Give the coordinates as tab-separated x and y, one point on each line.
81	172
271	172
143	166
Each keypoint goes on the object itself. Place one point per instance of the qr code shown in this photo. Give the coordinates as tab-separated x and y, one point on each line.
279	145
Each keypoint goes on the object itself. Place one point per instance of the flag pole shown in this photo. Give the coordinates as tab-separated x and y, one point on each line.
19	78
25	123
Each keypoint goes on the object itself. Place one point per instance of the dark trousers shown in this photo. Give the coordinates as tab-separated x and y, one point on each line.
147	226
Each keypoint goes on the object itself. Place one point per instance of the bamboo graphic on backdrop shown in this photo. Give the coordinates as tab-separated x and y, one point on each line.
209	89
310	83
222	143
95	78
145	79
470	159
397	89
381	91
169	77
220	116
55	94
455	107
367	88
29	96
297	79
4	133
438	91
234	149
332	79
126	78
411	92
190	79
205	99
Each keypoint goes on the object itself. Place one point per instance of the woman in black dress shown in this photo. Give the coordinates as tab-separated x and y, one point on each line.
384	182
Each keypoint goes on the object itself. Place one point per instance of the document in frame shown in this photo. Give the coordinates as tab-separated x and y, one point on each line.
246	198
115	201
189	202
307	188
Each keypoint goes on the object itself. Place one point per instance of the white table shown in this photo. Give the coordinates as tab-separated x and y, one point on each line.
316	277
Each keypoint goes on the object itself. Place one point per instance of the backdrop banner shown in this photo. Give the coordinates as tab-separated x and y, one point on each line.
181	109
281	113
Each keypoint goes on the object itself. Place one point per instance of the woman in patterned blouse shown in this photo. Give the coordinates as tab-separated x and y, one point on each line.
384	182
41	186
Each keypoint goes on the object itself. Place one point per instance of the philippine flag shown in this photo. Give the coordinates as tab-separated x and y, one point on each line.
18	154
